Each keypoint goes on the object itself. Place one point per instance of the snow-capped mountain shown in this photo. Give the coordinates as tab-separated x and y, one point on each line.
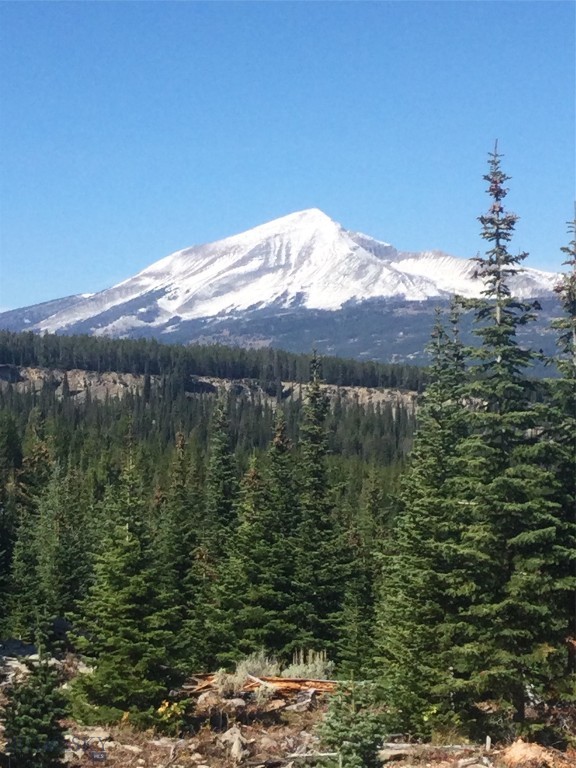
303	260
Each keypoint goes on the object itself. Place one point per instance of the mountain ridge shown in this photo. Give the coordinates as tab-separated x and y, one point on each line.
302	263
302	259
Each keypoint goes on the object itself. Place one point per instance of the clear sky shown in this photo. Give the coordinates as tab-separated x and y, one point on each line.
129	130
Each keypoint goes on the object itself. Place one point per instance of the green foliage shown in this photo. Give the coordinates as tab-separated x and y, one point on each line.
221	480
508	480
258	600
178	547
478	573
561	432
10	463
33	733
152	358
129	515
180	536
355	725
427	561
320	557
126	628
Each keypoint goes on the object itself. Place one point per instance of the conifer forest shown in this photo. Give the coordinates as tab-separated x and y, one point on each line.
428	551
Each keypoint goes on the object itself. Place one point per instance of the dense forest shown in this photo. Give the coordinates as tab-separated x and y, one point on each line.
183	500
145	356
164	533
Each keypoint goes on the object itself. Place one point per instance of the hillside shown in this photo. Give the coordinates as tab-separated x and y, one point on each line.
78	384
297	282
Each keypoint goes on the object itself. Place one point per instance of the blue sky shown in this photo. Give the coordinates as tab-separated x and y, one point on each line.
129	130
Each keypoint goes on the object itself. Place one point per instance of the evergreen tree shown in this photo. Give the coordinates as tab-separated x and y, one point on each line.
564	433
221	481
180	518
355	725
420	584
64	540
26	614
10	462
126	630
473	616
33	732
178	547
281	520
24	618
240	616
257	592
320	573
367	529
507	641
355	645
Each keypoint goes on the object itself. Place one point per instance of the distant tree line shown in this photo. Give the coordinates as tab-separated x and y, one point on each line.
148	356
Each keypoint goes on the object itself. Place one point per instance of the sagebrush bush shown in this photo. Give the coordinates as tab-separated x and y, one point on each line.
312	664
257	664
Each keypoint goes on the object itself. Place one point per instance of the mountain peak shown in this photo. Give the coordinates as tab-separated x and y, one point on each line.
298	224
298	218
302	260
307	214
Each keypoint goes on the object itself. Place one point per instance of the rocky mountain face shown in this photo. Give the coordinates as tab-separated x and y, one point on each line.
296	282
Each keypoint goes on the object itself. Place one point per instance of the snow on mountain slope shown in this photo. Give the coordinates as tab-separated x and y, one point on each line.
304	259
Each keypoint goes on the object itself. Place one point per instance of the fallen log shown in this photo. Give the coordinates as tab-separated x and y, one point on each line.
282	686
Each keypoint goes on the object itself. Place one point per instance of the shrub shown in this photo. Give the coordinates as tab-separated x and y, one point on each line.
355	724
34	736
314	666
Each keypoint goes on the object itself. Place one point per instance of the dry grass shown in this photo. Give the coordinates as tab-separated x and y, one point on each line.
312	665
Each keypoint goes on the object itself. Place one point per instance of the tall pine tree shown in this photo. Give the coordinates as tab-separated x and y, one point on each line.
564	437
423	573
258	602
506	641
178	548
221	481
320	575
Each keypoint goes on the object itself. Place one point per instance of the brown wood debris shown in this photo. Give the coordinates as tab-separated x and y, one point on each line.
285	687
522	754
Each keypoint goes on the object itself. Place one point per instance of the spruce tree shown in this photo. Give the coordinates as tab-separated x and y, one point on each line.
282	521
26	615
24	618
178	551
364	530
473	617
506	641
320	575
126	630
563	434
221	481
240	616
420	585
257	598
64	539
355	645
33	731
10	462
